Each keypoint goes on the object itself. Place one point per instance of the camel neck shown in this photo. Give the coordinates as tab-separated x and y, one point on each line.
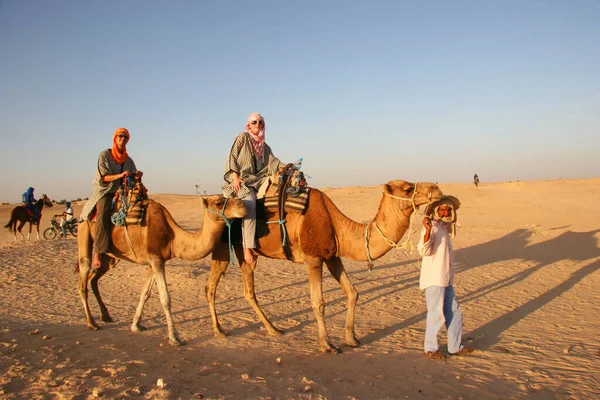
392	219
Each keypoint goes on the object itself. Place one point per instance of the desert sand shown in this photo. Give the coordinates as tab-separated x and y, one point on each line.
527	280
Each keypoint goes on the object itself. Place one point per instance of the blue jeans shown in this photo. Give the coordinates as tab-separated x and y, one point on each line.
442	309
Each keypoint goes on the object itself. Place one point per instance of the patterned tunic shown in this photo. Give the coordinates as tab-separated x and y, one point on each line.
106	166
251	169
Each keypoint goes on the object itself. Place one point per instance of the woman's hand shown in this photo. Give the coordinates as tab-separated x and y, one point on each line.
236	182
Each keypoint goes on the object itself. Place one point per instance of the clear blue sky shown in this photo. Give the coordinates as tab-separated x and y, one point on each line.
364	91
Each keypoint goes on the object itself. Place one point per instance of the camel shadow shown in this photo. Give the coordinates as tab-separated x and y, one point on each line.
574	246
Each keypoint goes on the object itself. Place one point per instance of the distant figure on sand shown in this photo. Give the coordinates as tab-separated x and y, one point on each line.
67	216
30	203
476	180
247	169
113	165
437	277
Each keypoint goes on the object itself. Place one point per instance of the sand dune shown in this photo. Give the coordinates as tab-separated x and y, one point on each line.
528	261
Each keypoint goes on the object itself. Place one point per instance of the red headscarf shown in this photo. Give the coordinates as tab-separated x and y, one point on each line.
258	141
119	158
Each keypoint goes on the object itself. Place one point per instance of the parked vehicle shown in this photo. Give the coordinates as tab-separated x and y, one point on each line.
56	231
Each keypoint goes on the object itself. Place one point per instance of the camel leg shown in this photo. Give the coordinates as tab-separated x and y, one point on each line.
158	266
336	267
218	266
146	292
315	279
98	273
84	244
250	295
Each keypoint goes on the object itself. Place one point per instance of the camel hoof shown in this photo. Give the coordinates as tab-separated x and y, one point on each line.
221	334
93	327
330	349
107	318
353	341
275	332
176	342
138	328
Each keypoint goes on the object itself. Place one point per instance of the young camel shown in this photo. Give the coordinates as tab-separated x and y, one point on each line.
324	234
157	240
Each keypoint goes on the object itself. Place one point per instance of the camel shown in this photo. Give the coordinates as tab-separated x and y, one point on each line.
324	234
157	239
20	215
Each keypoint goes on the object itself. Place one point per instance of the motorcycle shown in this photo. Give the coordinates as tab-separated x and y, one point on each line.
55	230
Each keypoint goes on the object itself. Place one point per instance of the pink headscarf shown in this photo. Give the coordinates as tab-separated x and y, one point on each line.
258	141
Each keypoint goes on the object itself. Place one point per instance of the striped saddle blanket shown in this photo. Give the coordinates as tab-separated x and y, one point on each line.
135	214
295	203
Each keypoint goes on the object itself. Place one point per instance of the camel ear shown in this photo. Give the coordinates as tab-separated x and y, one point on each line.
204	202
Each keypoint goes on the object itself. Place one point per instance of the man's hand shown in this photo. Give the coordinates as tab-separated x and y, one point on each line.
427	223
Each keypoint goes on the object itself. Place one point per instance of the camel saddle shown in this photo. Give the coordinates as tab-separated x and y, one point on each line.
132	200
135	196
287	191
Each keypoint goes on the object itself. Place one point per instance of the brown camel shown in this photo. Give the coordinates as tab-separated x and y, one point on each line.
155	241
324	234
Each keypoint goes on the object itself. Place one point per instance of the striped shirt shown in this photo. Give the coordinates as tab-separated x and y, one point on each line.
253	170
106	166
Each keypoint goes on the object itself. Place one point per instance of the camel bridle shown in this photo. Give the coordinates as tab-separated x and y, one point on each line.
407	243
228	224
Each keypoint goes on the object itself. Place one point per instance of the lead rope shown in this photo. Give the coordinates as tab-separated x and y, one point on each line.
282	223
228	224
388	241
119	218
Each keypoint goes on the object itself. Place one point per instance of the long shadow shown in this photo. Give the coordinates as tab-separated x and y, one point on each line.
489	334
576	246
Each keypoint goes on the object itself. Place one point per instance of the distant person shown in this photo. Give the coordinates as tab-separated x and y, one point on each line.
437	278
476	180
67	217
248	167
113	165
30	203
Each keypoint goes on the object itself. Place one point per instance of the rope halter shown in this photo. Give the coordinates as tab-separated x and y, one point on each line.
407	243
228	224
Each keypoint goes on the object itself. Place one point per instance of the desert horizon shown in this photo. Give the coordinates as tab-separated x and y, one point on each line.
527	259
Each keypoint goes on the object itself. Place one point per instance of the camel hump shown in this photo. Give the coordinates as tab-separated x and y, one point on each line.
317	235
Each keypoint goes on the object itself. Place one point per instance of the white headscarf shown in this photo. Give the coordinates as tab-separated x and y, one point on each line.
452	220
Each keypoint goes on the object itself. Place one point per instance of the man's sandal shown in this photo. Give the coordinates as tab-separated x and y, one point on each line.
435	355
464	351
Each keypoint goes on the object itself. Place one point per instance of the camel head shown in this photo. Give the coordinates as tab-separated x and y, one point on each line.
231	208
425	193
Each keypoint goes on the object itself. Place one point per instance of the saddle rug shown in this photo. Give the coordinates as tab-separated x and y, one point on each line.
296	203
135	214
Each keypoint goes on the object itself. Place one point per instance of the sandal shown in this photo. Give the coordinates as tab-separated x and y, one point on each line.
464	351
436	355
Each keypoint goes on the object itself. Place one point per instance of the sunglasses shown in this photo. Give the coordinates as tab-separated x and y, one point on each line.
123	137
261	122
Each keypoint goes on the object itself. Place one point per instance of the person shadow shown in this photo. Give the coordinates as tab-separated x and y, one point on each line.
569	246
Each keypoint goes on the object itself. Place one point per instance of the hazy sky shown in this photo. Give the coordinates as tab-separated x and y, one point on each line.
364	91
